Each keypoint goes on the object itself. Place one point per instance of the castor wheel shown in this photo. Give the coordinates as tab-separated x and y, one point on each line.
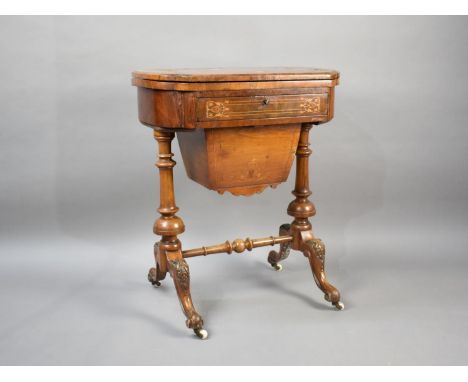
152	278
277	267
338	305
201	333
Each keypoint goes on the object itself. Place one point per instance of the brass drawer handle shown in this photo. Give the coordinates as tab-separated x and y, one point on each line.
266	101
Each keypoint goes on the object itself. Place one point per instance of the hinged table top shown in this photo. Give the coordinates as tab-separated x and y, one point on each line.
236	75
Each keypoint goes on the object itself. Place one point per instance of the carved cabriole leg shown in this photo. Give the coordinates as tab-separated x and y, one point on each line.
168	252
314	250
301	208
275	257
180	272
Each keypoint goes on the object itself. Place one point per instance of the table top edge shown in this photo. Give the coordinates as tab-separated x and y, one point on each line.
235	75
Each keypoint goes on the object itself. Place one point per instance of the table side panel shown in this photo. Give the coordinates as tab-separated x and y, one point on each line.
219	109
161	108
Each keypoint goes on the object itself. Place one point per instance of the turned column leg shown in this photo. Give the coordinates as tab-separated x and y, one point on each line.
301	208
168	251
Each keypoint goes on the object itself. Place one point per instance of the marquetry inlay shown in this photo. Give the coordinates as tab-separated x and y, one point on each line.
311	105
281	106
215	109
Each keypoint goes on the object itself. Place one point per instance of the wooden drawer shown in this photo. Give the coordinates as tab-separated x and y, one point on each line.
259	107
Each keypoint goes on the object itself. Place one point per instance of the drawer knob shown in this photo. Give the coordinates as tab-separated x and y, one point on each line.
266	101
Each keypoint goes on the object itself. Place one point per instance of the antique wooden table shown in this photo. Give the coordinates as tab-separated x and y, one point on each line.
238	131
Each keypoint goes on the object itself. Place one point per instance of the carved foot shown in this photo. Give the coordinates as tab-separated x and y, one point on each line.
155	275
314	250
275	257
194	321
180	273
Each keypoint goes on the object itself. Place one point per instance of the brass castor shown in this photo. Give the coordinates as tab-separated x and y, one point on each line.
152	278
277	267
338	305
201	333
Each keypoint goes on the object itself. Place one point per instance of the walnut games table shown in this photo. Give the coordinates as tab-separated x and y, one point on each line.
238	131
